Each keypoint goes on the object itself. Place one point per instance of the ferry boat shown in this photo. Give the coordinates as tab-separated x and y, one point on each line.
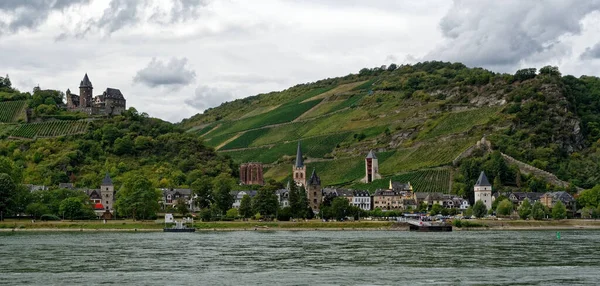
428	226
179	227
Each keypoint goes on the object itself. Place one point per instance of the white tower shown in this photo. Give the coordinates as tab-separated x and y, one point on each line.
107	190
483	190
371	168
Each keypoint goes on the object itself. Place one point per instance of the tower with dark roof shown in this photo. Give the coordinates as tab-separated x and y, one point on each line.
86	92
483	190
107	191
299	169
314	192
371	168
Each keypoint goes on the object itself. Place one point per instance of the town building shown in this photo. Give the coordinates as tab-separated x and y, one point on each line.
171	197
299	169
551	198
387	200
400	187
371	168
517	198
251	174
283	197
110	102
240	195
314	192
361	199
483	190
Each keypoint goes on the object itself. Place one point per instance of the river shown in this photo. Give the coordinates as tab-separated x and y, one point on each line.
301	258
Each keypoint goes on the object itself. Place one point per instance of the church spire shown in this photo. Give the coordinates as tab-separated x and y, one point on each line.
299	161
85	82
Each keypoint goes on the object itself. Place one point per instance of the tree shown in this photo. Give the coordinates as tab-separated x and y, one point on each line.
138	198
537	211
525	209
123	146
265	202
340	208
468	212
221	192
201	187
589	198
436	209
246	207
559	211
232	213
7	188
36	210
505	208
497	201
182	207
479	209
550	70
284	214
74	208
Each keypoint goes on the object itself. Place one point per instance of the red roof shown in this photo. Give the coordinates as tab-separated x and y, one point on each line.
98	206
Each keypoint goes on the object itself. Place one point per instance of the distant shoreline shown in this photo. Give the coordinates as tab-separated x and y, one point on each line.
131	226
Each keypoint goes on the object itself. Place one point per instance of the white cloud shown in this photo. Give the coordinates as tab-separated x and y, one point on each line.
173	74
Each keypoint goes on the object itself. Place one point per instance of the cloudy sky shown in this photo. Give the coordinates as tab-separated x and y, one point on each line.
175	58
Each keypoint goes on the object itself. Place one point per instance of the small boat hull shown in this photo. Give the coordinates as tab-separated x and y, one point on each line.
179	229
430	228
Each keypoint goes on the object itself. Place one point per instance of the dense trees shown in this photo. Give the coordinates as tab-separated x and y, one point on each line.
479	209
505	208
7	188
559	211
246	207
525	209
137	198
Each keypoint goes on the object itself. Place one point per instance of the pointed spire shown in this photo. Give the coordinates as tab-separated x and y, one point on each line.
299	161
288	185
371	155
107	181
314	179
85	82
483	180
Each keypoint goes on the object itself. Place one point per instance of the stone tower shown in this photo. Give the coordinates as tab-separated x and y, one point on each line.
371	168
107	191
313	192
251	174
85	92
299	170
483	190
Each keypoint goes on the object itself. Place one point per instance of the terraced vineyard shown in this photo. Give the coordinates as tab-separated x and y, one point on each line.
50	129
12	111
428	181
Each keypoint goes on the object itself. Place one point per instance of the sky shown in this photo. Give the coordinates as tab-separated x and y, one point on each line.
175	58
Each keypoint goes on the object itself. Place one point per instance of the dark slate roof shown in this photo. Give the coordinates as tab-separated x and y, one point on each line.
314	179
85	82
345	193
107	181
562	196
398	186
483	181
113	93
299	161
358	193
385	192
371	155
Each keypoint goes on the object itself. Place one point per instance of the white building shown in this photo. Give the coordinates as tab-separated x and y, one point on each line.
362	200
240	195
483	190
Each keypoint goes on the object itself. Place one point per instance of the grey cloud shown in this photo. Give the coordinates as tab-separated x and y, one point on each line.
28	14
591	52
503	33
173	74
205	97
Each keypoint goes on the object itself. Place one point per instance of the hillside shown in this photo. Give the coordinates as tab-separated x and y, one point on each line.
418	118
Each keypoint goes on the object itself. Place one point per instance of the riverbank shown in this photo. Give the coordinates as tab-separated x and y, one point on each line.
154	226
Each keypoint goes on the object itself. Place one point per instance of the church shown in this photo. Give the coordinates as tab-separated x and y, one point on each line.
110	102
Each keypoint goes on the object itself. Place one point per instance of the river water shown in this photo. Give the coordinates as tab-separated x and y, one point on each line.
301	258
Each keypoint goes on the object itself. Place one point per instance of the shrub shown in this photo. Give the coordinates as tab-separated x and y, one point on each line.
47	217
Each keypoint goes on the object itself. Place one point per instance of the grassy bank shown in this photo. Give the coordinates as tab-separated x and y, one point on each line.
154	225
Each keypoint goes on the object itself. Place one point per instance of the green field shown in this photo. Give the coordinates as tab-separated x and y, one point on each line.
50	129
459	122
12	111
429	180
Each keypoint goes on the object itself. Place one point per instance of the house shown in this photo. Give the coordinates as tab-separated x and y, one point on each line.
483	190
551	198
170	197
387	200
347	194
452	202
518	198
35	188
400	187
434	198
407	204
361	199
283	197
240	195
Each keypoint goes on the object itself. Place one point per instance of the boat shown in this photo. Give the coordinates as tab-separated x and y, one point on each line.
178	227
429	227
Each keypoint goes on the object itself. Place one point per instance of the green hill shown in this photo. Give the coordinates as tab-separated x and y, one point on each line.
416	117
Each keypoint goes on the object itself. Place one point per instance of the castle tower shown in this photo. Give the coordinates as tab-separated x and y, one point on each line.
85	92
69	99
313	192
483	190
371	168
299	170
107	191
251	174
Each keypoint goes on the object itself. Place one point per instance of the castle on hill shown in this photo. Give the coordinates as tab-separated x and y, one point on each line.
110	102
